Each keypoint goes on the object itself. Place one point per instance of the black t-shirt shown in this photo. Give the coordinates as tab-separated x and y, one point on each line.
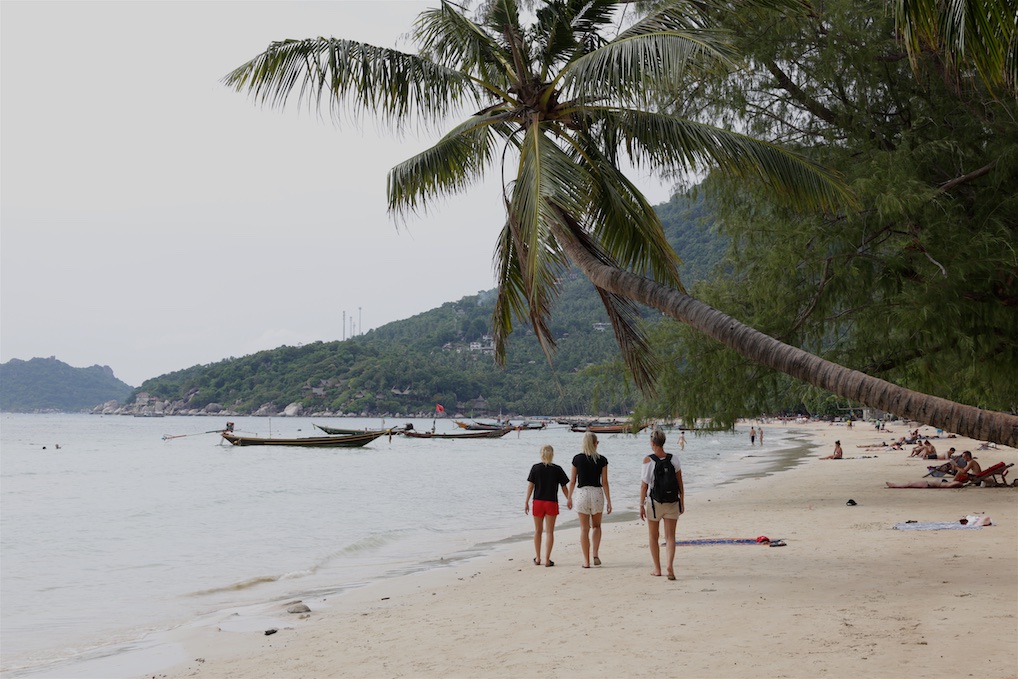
588	472
546	479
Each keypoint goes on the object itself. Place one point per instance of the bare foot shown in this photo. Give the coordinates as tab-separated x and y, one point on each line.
657	574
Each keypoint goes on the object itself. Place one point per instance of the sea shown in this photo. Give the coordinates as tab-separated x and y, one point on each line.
116	528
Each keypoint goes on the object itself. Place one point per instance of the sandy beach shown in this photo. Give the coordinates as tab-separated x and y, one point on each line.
848	596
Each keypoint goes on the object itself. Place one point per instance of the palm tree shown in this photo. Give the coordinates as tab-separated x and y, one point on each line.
563	98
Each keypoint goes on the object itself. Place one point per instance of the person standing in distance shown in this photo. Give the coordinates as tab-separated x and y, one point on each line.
590	473
543	482
662	499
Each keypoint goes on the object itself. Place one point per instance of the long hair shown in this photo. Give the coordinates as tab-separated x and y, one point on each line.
590	445
547	453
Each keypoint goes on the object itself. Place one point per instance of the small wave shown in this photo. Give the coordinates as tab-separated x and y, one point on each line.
366	544
238	586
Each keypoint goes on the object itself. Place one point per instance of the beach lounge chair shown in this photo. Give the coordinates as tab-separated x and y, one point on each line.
996	475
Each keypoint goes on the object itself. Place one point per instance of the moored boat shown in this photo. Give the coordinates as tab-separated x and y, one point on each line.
478	426
486	434
615	428
340	431
348	441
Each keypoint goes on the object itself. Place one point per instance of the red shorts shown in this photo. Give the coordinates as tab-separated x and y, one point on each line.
545	508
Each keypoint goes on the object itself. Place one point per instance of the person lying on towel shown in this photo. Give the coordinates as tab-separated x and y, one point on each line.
927	483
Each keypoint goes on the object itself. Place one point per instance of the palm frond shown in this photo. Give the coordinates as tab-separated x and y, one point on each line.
547	177
636	68
511	301
981	34
523	293
621	219
547	181
622	312
569	29
665	142
450	166
450	38
349	77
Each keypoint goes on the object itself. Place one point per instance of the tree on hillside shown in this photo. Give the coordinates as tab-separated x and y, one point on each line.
569	94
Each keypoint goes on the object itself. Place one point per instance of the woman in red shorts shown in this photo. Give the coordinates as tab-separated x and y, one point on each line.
543	483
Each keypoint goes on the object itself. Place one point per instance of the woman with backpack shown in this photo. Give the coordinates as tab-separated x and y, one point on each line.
590	481
662	499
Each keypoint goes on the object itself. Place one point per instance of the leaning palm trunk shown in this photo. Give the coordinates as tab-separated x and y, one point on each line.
984	425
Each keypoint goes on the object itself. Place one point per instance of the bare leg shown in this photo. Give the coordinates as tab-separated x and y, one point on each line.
538	527
670	545
595	521
585	538
655	548
549	528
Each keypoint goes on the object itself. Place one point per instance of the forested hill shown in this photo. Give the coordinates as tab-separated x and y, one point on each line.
46	384
441	356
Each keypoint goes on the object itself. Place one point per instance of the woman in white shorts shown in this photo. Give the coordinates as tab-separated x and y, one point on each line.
590	482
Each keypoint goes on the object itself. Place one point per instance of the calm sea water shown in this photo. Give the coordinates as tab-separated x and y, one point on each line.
119	532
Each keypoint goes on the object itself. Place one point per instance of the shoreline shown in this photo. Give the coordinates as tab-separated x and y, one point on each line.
847	596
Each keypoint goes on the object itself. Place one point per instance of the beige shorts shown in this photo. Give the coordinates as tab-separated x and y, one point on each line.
589	500
661	510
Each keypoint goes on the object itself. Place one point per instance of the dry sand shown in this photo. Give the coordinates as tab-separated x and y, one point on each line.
848	596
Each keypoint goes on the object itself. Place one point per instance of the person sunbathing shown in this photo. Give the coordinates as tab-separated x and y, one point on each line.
926	483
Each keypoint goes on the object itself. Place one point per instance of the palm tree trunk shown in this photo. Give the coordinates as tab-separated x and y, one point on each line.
984	425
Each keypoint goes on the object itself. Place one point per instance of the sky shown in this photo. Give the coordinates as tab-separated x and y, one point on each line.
152	219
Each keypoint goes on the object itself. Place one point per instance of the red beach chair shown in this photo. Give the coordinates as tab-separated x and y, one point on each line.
997	474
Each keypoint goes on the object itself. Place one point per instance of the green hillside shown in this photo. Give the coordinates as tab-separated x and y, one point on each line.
443	356
46	384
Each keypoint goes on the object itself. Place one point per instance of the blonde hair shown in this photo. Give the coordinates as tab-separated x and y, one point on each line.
657	437
590	445
547	453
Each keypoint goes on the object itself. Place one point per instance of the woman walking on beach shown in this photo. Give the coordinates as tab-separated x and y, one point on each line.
590	473
662	499
543	483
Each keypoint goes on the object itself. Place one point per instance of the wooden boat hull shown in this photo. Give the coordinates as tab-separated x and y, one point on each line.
336	431
495	434
478	426
611	428
350	441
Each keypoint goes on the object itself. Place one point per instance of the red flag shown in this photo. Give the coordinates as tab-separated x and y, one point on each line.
439	408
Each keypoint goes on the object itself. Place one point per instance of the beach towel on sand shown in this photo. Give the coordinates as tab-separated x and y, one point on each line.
935	525
723	541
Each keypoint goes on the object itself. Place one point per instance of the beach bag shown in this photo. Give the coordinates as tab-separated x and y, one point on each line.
666	486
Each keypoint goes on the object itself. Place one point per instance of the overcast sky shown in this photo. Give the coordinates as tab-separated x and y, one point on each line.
152	219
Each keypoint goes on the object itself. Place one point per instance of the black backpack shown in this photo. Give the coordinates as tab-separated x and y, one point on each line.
666	486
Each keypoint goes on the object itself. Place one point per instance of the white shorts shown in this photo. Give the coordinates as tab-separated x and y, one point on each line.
661	510
589	500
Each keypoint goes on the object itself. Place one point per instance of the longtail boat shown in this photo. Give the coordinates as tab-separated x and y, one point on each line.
487	434
339	431
478	426
623	428
349	441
